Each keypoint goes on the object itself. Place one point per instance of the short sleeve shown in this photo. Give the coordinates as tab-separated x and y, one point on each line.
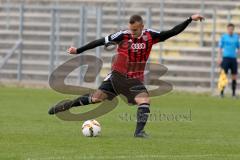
221	42
156	35
115	37
238	42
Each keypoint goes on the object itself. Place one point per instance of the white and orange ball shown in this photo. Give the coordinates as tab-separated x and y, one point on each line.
91	128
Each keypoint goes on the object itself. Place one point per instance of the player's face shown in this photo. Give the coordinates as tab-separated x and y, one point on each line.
136	29
230	30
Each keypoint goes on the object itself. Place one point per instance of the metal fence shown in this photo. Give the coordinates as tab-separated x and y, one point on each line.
83	13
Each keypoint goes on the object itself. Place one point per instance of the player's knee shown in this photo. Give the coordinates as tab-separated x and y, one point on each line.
96	99
142	98
98	96
234	77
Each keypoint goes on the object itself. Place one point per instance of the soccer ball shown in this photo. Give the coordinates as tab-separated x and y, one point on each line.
91	128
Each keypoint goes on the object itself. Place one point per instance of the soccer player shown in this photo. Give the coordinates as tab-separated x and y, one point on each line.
227	55
134	46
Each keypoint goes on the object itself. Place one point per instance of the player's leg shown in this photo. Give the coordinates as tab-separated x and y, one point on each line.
225	67
143	102
105	91
234	84
136	93
234	68
97	96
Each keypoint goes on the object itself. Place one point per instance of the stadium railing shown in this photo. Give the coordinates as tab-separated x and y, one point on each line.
50	12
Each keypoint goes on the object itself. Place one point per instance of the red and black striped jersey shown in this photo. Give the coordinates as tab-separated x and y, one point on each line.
133	53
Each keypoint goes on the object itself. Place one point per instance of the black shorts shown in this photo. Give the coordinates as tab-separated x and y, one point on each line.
116	83
230	63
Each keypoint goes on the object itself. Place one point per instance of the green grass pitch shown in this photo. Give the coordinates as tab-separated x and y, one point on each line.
203	128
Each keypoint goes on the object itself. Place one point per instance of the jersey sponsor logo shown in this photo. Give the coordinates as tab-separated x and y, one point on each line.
138	46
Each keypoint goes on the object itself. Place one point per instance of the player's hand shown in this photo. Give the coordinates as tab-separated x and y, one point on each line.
197	17
72	50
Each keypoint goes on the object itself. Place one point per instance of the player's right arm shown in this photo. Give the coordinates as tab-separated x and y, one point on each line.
113	38
91	45
220	45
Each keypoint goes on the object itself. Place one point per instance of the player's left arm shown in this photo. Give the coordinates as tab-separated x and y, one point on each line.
164	35
238	46
108	40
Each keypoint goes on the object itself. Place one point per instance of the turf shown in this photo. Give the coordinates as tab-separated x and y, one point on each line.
203	127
